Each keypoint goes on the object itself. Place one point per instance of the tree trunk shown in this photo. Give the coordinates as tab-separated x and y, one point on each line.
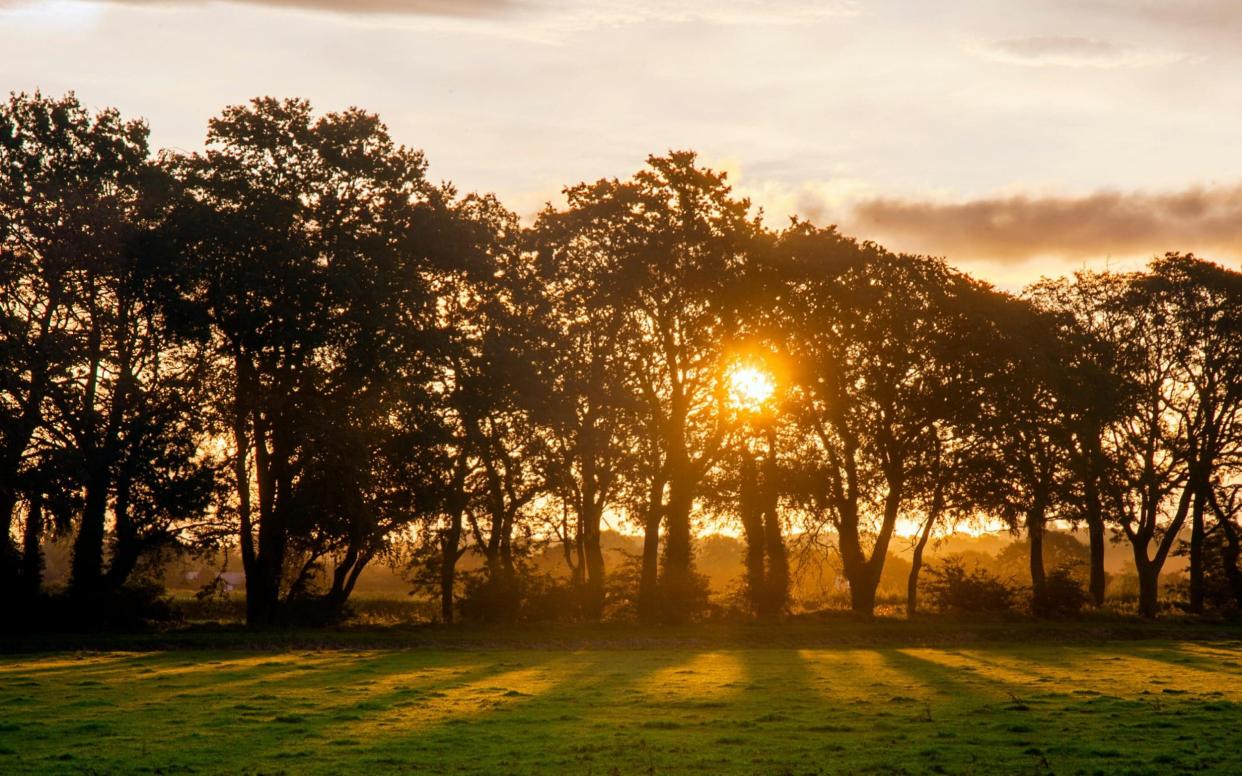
776	592
1229	556
9	560
858	573
450	541
263	586
648	584
593	559
916	565
1099	580
344	577
749	510
1196	550
1149	588
862	593
1232	550
127	549
864	572
1039	579
87	566
32	552
1096	540
677	582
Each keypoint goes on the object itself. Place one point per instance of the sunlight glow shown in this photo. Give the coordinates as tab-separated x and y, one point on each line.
750	388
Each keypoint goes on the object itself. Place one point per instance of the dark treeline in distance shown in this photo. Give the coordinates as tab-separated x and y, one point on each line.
295	347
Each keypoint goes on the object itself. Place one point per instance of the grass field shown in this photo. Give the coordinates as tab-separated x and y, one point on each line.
1148	706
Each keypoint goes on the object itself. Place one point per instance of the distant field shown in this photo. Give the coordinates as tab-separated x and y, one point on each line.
1119	707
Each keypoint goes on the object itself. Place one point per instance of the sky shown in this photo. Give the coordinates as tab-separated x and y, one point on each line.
1016	139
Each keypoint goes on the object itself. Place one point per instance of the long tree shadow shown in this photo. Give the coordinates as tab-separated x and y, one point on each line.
247	707
1067	724
504	697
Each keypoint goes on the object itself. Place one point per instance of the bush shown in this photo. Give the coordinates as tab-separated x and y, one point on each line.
130	608
1064	593
526	596
953	588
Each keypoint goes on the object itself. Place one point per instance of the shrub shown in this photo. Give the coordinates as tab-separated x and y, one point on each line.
953	588
1064	594
133	607
526	596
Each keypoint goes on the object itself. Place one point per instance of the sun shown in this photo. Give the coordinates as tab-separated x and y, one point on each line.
750	388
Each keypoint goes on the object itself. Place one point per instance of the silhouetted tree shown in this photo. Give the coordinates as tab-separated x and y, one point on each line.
97	327
1084	313
1025	413
873	333
312	235
1148	492
492	316
675	237
593	423
1203	305
67	180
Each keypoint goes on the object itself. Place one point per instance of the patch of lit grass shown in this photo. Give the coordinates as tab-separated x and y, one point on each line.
1141	707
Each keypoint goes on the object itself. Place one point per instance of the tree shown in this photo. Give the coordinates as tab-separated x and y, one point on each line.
1025	416
1203	302
593	421
671	239
958	482
101	375
759	493
1085	315
875	335
1148	490
128	419
312	237
1226	504
493	317
66	179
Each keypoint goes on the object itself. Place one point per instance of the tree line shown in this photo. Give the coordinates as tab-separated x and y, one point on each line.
295	344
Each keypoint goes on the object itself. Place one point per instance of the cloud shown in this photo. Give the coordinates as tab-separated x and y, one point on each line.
1071	51
572	14
458	8
1215	15
1014	229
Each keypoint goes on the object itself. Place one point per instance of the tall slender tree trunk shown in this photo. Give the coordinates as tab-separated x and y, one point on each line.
776	584
1197	534
749	510
263	580
450	541
590	565
1039	578
1096	539
649	583
126	545
1099	579
87	565
32	551
916	566
592	557
9	560
676	581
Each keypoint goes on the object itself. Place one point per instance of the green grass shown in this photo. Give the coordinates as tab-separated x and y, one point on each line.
1152	706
